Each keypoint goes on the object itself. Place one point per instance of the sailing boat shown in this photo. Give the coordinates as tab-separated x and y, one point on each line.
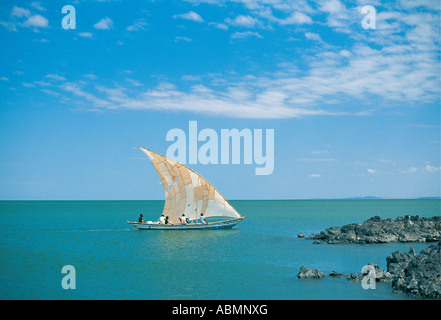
187	192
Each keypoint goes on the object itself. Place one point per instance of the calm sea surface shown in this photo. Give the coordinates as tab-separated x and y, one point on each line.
259	259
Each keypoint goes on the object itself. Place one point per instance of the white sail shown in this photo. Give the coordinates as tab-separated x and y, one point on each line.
187	192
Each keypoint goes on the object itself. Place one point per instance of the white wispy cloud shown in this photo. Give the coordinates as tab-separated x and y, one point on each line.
180	38
28	85
51	92
297	18
409	170
10	26
55	77
137	25
77	90
166	97
193	16
392	62
90	76
219	25
191	78
242	21
37	5
313	36
20	12
24	18
104	24
86	35
246	34
37	21
333	77
430	168
396	63
288	12
427	169
332	6
134	82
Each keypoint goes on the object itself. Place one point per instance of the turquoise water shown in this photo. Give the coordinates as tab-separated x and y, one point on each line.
259	259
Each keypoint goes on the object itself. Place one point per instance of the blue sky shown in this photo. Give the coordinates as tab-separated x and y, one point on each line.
356	112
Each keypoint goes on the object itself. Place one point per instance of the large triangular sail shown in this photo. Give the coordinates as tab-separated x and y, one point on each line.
187	192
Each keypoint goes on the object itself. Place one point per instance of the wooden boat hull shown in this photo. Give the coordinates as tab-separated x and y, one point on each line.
226	224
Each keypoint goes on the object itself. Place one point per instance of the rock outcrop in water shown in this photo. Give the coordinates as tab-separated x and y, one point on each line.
417	275
375	230
307	273
380	274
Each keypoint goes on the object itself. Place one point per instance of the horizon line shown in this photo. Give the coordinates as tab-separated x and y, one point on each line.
286	199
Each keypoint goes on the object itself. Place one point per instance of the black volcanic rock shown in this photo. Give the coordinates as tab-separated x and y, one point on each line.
417	275
376	230
307	273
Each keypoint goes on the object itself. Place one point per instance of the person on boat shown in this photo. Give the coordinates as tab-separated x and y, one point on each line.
140	219
203	219
184	219
161	220
166	220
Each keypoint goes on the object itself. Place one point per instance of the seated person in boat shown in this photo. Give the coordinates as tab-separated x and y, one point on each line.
161	220
203	219
166	220
184	219
140	219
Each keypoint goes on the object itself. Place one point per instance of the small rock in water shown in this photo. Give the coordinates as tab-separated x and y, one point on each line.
307	273
336	274
354	277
